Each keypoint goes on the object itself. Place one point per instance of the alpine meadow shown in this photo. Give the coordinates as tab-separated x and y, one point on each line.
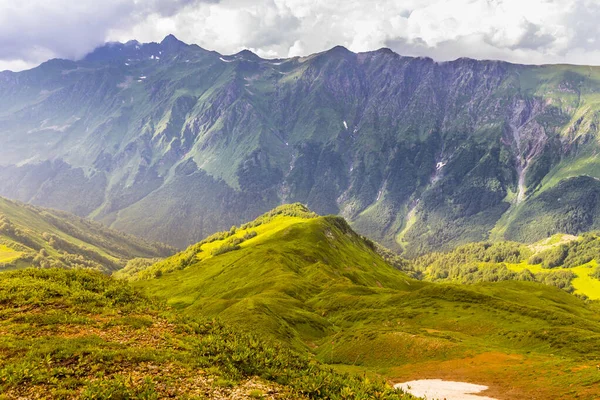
347	201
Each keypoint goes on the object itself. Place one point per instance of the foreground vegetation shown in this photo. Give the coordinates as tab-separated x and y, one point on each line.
81	334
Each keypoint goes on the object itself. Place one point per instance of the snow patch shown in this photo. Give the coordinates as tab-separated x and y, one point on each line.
440	389
440	165
224	60
345	125
28	161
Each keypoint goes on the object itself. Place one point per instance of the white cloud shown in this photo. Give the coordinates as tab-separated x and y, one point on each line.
525	31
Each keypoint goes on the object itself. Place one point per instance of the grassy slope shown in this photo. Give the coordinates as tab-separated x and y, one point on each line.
36	236
80	334
314	283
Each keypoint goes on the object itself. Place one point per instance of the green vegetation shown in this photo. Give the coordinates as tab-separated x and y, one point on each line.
562	261
223	242
80	334
571	206
315	285
32	236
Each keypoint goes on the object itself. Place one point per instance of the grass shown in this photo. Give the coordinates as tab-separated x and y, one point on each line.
81	334
7	254
583	283
317	286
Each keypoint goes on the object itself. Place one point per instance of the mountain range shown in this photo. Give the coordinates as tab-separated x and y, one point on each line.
172	142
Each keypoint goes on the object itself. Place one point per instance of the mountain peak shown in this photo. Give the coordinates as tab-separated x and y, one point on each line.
248	55
171	42
341	50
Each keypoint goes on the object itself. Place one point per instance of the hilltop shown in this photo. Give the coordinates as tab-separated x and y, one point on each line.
33	236
313	283
173	142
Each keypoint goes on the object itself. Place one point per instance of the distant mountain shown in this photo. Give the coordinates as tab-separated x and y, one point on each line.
313	283
173	142
33	236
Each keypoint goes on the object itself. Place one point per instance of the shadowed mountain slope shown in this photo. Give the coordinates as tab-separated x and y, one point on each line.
173	142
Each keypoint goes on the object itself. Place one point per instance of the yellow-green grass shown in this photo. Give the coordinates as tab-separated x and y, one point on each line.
583	283
7	254
264	232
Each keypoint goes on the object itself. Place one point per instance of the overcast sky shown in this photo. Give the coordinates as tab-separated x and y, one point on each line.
523	31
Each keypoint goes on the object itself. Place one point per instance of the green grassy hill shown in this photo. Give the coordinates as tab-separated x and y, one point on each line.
313	283
33	236
77	334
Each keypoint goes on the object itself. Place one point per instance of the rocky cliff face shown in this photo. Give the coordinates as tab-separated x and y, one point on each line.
173	142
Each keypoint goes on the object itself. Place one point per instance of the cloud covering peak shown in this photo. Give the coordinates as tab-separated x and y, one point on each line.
523	31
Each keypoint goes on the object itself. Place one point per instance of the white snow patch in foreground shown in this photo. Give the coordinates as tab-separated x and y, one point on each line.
437	389
345	125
